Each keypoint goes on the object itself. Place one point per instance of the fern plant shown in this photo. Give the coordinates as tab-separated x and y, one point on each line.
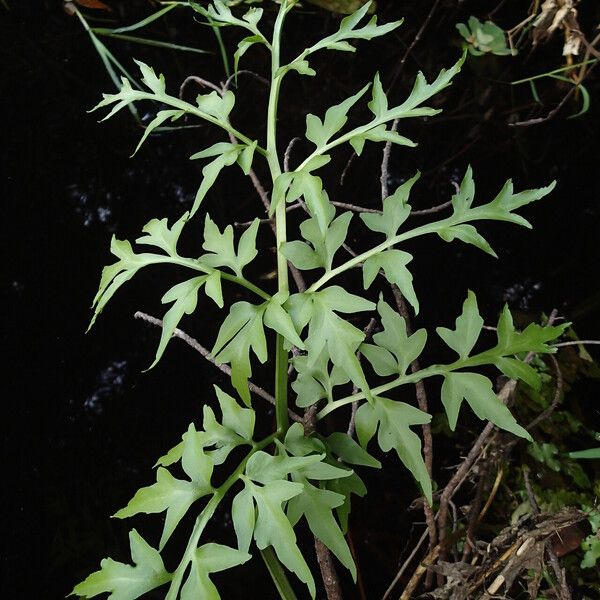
296	477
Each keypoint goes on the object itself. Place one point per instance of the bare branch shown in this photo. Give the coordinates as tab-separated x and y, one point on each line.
196	345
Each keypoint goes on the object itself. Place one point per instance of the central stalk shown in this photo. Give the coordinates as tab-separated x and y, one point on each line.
281	355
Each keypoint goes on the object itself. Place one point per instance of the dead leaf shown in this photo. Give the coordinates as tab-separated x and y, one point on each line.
95	4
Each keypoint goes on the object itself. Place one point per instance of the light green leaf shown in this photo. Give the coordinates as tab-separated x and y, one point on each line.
315	380
346	487
393	419
395	210
160	235
378	104
264	468
220	245
218	13
126	582
501	207
242	48
238	419
423	91
463	199
311	187
301	255
209	558
316	505
591	548
346	449
212	288
243	515
468	327
380	133
223	438
273	528
382	360
299	444
478	392
467	234
241	330
160	118
534	338
484	38
348	31
394	340
171	494
393	263
279	320
185	298
325	244
216	105
280	187
320	132
209	175
149	78
115	275
246	156
327	330
590	453
517	369
300	66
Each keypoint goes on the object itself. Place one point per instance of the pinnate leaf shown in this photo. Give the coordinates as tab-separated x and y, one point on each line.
185	298
210	558
534	338
220	246
328	330
159	234
342	446
379	133
115	275
478	392
517	369
171	494
316	505
324	245
467	234
211	171
320	132
393	263
315	380
273	528
241	331
395	210
468	327
392	420
349	30
126	582
395	350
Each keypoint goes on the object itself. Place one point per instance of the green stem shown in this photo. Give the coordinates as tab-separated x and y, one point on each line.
390	385
484	358
476	214
277	574
281	355
360	258
206	515
198	266
222	49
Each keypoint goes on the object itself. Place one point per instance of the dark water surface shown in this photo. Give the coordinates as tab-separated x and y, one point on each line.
82	424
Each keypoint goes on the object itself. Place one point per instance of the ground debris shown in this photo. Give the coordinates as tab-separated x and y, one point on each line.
518	552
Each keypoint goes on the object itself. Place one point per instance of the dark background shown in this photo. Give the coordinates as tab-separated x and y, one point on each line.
82	424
